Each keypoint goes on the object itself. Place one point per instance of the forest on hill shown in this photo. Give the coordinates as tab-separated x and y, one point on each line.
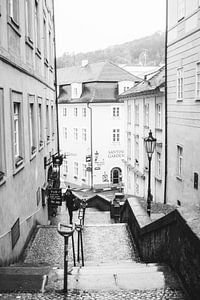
147	51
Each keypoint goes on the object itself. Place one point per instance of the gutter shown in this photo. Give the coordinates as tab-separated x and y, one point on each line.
55	82
166	115
91	143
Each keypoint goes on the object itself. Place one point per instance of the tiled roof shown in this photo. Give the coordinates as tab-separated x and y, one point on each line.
102	71
152	82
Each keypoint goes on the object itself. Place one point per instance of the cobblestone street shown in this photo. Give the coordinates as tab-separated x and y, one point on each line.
104	242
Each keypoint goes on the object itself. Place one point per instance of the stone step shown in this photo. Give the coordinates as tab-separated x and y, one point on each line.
119	268
113	277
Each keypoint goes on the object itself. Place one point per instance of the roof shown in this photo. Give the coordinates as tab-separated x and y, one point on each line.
101	71
152	82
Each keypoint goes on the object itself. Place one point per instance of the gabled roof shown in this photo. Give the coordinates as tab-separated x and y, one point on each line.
152	82
101	71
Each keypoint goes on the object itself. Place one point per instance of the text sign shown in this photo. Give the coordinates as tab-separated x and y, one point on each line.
55	196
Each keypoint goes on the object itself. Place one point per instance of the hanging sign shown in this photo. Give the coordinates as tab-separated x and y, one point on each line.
55	196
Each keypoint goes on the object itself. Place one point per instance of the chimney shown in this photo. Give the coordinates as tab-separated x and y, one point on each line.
84	63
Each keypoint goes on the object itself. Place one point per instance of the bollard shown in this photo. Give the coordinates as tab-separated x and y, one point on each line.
66	231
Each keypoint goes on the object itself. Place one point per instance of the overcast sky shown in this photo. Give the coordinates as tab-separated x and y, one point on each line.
87	25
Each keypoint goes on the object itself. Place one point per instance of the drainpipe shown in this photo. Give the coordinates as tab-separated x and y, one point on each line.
166	129
55	80
91	144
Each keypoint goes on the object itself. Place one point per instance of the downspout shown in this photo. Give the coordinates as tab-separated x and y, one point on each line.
166	108
91	144
55	81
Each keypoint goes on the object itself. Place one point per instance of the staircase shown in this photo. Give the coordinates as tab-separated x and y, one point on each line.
112	267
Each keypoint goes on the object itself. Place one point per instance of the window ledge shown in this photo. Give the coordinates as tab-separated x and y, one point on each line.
83	179
38	53
146	126
179	178
33	155
197	99
179	100
51	68
19	160
29	42
158	129
2	174
14	25
159	179
75	177
19	168
46	62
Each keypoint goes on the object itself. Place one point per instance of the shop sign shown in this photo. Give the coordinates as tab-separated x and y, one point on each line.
115	153
97	168
55	196
88	158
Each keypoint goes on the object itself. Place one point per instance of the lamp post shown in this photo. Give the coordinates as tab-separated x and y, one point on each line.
150	143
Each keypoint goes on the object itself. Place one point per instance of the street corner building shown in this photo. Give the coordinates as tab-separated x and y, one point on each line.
28	132
91	122
144	111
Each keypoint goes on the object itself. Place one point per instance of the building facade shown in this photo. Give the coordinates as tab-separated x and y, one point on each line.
91	122
183	84
27	119
145	111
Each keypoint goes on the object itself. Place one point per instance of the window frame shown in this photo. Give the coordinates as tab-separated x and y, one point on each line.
32	125
146	115
84	134
76	169
47	121
179	162
116	112
75	133
197	87
116	135
180	84
29	21
37	27
137	114
159	115
158	164
40	117
75	111
84	112
2	138
65	133
181	10
18	160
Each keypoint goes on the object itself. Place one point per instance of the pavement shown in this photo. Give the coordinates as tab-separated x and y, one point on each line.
112	266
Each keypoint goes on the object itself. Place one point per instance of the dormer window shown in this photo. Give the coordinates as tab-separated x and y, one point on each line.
76	89
125	85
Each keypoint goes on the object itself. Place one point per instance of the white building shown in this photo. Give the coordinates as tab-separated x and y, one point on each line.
91	122
145	111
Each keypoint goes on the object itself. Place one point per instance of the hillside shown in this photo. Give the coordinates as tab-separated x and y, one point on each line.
145	51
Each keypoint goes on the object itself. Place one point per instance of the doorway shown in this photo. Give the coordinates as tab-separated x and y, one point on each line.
116	174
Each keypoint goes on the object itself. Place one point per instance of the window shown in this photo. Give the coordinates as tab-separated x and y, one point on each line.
198	81
65	133
115	111
65	167
116	135
50	49
76	169
159	115
129	113
2	138
28	13
32	124
64	111
40	123
146	115
84	171
84	134
129	146
45	38
37	25
75	111
158	164
137	150
76	133
17	129
84	112
180	84
181	9
179	161
52	121
137	114
47	123
14	11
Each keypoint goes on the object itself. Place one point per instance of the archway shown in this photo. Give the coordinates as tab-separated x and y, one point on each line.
116	174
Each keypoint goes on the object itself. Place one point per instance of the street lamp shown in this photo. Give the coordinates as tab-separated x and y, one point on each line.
150	143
